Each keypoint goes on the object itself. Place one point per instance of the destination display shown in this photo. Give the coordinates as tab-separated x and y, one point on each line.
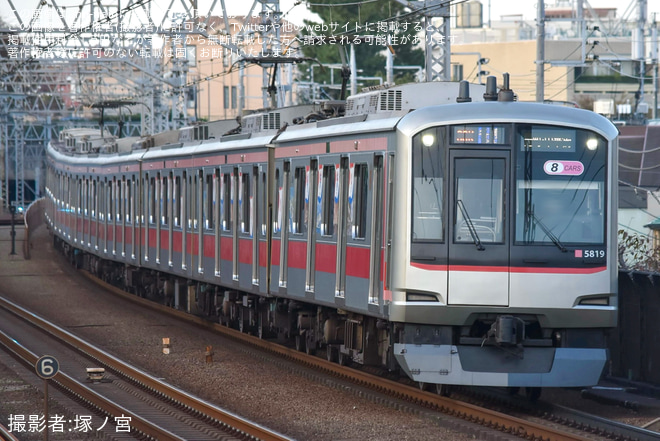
549	140
478	134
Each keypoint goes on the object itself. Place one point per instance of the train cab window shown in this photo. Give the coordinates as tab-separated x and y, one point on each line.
328	201
298	202
428	170
560	186
245	204
226	201
359	207
479	196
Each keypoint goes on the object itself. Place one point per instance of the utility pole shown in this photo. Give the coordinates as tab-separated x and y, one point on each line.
638	49
654	60
540	51
438	38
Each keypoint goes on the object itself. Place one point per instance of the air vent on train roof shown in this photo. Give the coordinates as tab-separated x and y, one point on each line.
271	121
407	97
375	101
390	100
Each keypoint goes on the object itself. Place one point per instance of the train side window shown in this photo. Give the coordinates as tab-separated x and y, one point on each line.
111	189
128	192
112	195
79	195
298	203
209	201
164	199
101	199
118	201
65	192
246	203
139	217
85	190
176	201
152	200
217	185
360	192
94	198
189	193
328	201
277	220
226	202
264	206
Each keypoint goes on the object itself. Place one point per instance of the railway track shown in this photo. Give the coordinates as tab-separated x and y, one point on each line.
130	393
552	423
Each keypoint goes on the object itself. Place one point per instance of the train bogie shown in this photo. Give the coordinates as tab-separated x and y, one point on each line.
464	243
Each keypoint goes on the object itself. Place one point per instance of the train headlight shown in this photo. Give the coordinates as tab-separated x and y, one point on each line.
428	139
592	144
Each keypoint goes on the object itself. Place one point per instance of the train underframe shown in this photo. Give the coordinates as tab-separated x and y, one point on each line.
342	336
485	349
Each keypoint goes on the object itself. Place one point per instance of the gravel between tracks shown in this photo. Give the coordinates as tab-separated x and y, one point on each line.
269	395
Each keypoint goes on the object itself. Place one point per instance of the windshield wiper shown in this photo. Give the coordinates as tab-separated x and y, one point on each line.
470	225
547	232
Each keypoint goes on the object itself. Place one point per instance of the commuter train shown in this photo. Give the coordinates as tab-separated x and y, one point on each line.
463	241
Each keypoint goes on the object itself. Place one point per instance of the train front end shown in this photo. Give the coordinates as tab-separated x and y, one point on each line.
504	260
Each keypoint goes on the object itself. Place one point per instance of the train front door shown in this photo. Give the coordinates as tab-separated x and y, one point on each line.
478	235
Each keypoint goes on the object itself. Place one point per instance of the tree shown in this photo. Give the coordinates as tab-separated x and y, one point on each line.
376	19
636	252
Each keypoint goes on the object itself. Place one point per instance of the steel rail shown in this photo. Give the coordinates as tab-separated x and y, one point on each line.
235	422
6	435
486	417
142	426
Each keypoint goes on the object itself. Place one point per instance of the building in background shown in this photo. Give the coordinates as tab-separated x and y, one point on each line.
224	85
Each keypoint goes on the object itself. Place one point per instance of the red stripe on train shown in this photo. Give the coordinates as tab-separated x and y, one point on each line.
357	262
297	256
275	252
505	269
245	251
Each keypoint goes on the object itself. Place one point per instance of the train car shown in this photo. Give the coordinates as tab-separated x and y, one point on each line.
463	241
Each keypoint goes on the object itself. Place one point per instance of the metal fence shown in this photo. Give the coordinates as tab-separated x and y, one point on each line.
635	343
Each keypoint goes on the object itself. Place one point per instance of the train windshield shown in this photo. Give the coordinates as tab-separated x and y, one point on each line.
428	185
560	186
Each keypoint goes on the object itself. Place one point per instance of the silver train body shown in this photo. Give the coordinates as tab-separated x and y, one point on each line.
467	243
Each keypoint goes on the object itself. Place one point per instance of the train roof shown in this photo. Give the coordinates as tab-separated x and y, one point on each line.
408	108
511	111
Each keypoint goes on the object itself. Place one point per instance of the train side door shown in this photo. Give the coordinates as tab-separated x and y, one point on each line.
478	237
